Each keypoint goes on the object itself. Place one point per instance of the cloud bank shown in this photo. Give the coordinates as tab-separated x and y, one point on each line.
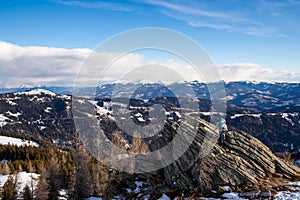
36	65
255	72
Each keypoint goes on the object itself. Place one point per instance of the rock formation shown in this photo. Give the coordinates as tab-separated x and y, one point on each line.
243	163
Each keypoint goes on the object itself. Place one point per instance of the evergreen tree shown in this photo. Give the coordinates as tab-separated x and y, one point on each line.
30	167
138	144
54	179
26	194
9	191
4	168
83	177
42	191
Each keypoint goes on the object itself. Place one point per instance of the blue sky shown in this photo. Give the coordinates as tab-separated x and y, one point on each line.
259	35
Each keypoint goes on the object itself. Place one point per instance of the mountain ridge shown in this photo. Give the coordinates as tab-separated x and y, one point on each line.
251	165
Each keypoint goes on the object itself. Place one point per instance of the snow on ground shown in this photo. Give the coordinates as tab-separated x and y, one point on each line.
37	92
12	103
164	197
13	114
101	110
5	140
138	186
227	188
240	115
283	195
64	96
23	179
81	101
42	127
3	120
63	194
232	195
287	115
296	183
210	113
48	110
286	195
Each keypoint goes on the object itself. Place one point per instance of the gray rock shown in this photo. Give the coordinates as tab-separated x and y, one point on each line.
266	194
250	194
297	163
243	160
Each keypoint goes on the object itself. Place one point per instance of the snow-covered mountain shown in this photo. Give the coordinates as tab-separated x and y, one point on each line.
254	96
44	115
37	113
269	111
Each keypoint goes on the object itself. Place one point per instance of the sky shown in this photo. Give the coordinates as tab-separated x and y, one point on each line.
46	42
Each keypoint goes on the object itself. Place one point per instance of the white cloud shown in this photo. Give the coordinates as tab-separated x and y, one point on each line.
255	72
114	6
187	10
34	65
243	17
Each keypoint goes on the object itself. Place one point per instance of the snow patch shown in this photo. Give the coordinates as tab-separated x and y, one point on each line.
287	115
138	186
286	195
232	195
63	194
42	127
48	110
227	188
11	103
5	140
37	92
240	115
81	101
164	197
4	120
13	114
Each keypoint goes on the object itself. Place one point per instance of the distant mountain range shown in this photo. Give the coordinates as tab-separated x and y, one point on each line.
268	111
254	96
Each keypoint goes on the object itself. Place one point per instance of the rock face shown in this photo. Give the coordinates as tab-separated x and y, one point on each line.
243	162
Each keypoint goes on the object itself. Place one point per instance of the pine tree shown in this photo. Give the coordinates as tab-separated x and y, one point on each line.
83	177
30	167
42	191
138	144
9	191
26	194
54	179
4	168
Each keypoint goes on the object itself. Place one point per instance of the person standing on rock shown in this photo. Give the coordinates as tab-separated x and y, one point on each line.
222	130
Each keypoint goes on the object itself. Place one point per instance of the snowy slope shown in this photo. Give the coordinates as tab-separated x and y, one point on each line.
4	140
37	92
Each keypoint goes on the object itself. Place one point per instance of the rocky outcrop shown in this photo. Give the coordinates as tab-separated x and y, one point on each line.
242	163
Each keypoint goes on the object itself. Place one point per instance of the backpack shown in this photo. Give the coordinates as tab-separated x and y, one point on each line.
222	125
